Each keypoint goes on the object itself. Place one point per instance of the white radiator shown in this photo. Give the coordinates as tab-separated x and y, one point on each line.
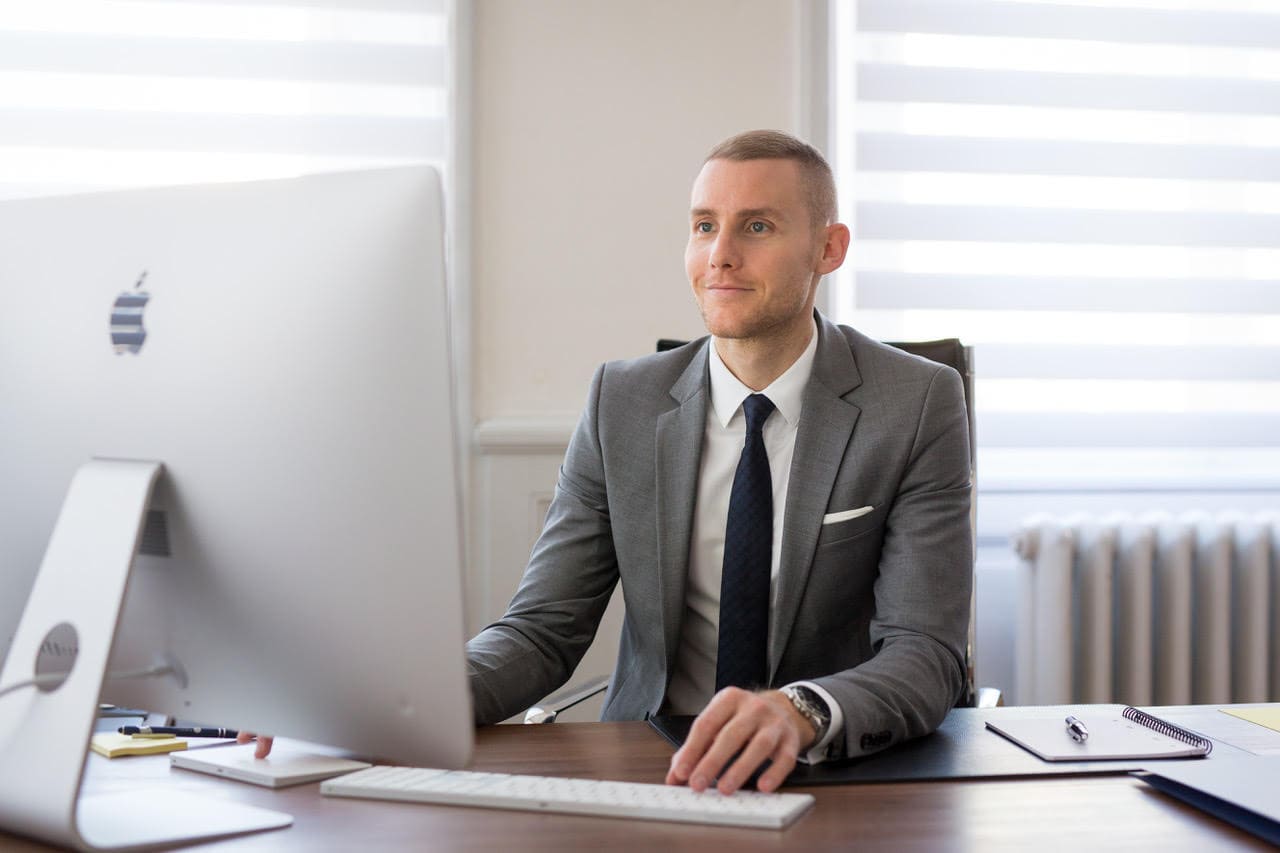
1149	610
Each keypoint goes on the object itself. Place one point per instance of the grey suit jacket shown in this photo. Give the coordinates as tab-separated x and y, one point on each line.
875	609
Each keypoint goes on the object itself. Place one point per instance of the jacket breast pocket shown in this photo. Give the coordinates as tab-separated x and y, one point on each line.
839	532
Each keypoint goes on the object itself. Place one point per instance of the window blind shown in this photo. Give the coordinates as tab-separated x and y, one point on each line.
104	94
1089	193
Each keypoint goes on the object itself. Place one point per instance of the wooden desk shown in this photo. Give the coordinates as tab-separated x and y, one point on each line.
1075	813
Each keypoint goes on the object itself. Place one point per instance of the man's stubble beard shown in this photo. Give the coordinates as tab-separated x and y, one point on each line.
760	325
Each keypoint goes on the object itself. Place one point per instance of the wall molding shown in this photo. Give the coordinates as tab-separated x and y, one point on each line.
515	464
521	435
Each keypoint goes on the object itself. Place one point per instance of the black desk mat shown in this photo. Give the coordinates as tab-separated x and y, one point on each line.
961	748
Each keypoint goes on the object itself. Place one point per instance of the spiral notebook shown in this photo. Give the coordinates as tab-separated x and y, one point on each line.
1113	736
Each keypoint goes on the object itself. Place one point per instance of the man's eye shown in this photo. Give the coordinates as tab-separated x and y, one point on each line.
757	227
703	228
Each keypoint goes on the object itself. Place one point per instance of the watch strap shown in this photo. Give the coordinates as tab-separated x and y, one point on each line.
812	707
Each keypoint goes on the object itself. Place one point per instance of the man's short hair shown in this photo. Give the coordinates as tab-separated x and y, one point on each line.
776	145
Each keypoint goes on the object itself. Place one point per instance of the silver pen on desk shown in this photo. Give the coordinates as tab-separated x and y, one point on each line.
1076	728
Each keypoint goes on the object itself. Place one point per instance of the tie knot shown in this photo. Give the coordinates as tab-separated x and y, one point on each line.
757	408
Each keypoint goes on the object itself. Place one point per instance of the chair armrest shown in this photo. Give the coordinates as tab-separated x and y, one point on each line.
548	709
988	697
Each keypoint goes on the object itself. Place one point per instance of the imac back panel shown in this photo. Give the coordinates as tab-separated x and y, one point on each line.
282	348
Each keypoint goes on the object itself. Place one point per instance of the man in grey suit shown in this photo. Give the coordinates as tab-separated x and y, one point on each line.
859	553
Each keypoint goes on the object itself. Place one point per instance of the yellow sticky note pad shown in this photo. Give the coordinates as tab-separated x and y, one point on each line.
1268	716
114	744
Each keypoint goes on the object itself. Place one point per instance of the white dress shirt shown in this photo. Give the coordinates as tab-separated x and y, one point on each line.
693	682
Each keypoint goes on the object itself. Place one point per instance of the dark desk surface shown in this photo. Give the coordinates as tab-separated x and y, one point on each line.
1075	813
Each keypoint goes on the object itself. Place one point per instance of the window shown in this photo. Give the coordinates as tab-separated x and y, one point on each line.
1089	193
104	94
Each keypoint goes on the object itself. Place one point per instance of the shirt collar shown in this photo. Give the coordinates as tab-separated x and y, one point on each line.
786	392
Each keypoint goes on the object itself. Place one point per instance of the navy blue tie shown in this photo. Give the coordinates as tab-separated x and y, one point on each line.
742	656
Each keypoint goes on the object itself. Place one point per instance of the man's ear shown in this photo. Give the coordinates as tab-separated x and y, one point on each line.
835	246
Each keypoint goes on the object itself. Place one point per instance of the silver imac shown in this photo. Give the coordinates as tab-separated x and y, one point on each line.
228	477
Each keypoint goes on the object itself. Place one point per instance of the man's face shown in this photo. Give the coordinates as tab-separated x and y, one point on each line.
754	254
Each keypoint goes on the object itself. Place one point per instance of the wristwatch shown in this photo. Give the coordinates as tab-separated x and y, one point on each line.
811	707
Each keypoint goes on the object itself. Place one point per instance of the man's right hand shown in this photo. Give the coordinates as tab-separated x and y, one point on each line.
751	725
264	743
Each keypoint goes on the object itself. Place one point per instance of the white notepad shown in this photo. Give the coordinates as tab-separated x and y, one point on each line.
1114	735
286	765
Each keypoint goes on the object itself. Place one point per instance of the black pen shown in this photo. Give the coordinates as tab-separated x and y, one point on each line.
176	731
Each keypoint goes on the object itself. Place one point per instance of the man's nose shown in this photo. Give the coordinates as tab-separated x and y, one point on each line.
724	251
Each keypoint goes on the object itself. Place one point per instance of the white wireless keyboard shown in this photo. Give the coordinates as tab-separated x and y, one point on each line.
571	796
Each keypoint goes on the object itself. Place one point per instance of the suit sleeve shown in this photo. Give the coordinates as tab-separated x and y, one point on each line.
919	631
549	625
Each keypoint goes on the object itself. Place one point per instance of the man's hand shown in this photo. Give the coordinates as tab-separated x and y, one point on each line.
762	725
264	743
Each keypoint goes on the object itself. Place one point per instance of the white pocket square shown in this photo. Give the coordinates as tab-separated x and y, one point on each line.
832	518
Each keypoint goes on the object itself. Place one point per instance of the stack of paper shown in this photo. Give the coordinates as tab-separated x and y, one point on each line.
1263	715
114	744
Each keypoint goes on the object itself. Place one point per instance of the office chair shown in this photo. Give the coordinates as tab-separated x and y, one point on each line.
948	351
954	354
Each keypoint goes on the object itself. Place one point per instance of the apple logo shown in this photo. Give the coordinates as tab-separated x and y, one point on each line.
127	333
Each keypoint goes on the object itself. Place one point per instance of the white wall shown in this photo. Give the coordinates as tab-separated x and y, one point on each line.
589	121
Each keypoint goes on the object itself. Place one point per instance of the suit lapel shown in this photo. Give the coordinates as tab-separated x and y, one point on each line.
826	425
679	453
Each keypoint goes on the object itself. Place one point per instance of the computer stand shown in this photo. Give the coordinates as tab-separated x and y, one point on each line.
73	610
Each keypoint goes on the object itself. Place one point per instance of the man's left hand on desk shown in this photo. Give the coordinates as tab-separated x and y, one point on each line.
264	743
763	726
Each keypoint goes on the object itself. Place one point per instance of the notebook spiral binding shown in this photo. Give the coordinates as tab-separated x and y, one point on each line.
1164	727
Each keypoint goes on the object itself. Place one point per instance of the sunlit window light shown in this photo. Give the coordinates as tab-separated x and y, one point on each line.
1057	123
1118	395
1069	191
1085	464
1261	6
96	169
54	91
1068	56
265	22
1076	327
1074	259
